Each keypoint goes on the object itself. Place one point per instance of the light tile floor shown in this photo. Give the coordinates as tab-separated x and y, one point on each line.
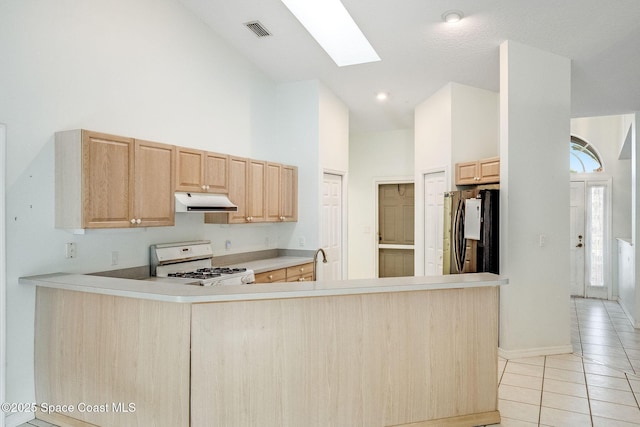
598	385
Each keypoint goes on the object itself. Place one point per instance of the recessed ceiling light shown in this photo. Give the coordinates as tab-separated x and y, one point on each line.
333	28
382	96
452	16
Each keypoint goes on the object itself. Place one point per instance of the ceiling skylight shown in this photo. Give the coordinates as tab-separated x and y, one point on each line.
333	28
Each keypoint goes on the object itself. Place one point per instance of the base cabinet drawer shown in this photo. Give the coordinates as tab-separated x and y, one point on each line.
272	276
300	273
301	278
296	273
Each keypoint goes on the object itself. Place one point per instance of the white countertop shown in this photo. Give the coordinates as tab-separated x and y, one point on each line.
161	290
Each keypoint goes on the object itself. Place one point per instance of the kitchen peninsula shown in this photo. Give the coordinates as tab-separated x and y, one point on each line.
410	351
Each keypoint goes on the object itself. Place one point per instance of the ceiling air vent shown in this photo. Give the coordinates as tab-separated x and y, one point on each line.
257	28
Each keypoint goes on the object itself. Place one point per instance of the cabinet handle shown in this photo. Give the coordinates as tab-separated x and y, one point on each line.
270	277
301	269
133	221
301	279
138	221
281	218
204	187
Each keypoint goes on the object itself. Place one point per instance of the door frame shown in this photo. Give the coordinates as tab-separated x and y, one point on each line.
3	272
343	214
608	256
377	182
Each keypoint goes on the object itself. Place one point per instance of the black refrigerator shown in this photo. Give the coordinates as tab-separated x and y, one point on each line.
471	231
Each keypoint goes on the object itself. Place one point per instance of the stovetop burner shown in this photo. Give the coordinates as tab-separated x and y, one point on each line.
207	273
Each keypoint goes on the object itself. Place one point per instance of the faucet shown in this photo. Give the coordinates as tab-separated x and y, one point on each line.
315	260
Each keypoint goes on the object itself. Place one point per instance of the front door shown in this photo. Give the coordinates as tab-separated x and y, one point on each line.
589	242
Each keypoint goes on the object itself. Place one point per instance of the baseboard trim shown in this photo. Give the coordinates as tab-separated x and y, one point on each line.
479	419
17	418
627	313
534	352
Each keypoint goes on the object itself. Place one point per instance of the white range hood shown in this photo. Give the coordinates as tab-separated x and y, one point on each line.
204	202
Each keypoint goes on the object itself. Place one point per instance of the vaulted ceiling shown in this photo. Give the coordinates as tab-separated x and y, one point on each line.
420	53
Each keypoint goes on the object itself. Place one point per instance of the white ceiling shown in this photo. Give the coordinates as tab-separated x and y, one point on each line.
420	53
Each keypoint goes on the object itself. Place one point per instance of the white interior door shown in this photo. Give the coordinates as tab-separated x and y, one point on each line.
577	240
434	186
332	228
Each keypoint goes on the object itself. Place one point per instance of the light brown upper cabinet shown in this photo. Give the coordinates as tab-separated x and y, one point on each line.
282	193
201	171
263	192
486	171
108	181
247	190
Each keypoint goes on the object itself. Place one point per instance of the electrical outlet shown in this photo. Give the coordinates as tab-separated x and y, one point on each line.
227	244
301	242
70	250
114	257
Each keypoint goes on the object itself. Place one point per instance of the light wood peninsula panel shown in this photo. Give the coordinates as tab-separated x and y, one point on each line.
425	357
93	349
413	352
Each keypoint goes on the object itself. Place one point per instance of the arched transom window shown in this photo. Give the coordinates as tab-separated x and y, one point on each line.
583	157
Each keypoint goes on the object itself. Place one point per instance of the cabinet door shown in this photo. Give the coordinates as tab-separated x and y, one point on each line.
189	169
466	173
272	276
216	173
273	192
154	172
257	206
238	172
107	187
489	171
289	193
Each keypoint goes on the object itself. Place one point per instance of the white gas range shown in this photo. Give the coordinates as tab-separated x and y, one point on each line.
191	263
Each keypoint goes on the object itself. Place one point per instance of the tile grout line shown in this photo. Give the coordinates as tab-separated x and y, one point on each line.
621	344
586	386
544	370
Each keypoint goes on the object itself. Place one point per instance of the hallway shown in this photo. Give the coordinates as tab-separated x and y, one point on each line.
598	385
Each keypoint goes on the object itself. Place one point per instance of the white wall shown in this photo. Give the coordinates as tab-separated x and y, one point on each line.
534	192
372	156
333	132
312	133
141	68
433	131
607	134
475	120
